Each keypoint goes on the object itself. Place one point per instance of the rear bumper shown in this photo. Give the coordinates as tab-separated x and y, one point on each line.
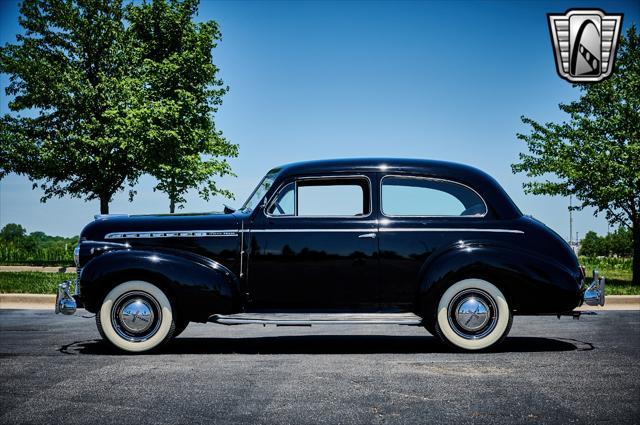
593	294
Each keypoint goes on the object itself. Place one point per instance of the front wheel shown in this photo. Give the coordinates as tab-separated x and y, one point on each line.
473	314
136	316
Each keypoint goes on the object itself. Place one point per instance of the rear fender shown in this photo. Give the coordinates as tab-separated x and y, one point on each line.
197	286
531	283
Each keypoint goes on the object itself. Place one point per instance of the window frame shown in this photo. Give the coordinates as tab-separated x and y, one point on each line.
275	196
437	179
295	180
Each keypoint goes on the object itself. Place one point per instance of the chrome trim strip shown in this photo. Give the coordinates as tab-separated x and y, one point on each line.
173	234
448	229
387	229
413	176
301	319
409	322
312	230
232	233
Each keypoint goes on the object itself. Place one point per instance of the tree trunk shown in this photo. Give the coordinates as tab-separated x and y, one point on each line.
104	204
172	196
636	253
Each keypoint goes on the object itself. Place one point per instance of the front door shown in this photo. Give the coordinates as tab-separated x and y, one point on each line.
314	247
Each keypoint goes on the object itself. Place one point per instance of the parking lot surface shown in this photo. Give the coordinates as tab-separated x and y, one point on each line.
54	369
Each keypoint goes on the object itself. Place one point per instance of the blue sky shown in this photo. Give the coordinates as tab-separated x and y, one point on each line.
311	80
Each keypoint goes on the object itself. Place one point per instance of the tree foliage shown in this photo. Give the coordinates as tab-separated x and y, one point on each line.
75	94
595	154
182	92
105	92
618	244
12	233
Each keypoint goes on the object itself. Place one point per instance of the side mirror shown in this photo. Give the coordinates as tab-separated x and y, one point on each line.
228	209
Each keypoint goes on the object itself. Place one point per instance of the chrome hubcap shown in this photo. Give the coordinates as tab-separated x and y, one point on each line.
473	314
136	316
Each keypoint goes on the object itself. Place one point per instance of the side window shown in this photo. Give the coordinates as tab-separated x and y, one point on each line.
325	197
285	201
414	196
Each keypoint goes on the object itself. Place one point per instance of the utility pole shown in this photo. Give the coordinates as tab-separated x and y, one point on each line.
570	219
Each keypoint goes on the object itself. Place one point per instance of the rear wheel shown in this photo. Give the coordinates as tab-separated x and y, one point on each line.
473	314
136	316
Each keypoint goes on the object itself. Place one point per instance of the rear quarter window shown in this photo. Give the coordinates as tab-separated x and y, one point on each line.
420	196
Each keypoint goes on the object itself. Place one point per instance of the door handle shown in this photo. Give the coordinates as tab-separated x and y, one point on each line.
367	235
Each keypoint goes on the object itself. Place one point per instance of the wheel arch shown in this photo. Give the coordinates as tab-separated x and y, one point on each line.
197	288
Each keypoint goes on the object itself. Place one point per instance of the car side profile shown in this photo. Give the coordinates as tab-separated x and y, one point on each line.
351	241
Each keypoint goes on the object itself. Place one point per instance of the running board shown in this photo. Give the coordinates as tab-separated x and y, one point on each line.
308	319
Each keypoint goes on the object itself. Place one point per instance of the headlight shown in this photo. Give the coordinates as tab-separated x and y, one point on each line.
76	255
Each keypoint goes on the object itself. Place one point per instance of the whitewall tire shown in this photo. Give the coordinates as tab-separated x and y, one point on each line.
473	314
136	316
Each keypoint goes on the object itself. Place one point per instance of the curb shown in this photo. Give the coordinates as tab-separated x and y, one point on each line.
622	299
47	301
27	301
42	269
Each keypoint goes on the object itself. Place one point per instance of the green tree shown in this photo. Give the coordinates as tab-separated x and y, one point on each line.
590	245
12	233
620	242
595	154
182	92
76	68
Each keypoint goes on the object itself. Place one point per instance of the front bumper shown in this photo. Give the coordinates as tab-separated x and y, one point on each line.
593	294
65	303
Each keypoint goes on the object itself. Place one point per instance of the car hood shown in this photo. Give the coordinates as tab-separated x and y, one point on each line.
136	224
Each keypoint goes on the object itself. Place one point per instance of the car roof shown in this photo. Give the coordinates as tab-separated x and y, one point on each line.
480	181
371	165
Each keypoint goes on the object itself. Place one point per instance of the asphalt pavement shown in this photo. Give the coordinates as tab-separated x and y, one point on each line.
54	369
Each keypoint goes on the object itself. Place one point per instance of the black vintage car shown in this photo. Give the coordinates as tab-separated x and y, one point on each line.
354	241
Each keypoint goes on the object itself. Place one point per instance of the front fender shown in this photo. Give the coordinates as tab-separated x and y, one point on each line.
532	283
198	287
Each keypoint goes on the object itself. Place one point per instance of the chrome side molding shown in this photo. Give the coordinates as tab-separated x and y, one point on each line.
308	319
172	234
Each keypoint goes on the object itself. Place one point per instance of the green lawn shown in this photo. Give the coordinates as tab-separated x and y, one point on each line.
620	287
617	272
32	282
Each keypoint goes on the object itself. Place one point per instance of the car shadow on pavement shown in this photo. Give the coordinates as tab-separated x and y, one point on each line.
328	344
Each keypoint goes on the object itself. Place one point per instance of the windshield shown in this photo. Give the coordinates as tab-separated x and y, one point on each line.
259	191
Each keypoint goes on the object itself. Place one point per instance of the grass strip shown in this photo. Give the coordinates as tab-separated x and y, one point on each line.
32	282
